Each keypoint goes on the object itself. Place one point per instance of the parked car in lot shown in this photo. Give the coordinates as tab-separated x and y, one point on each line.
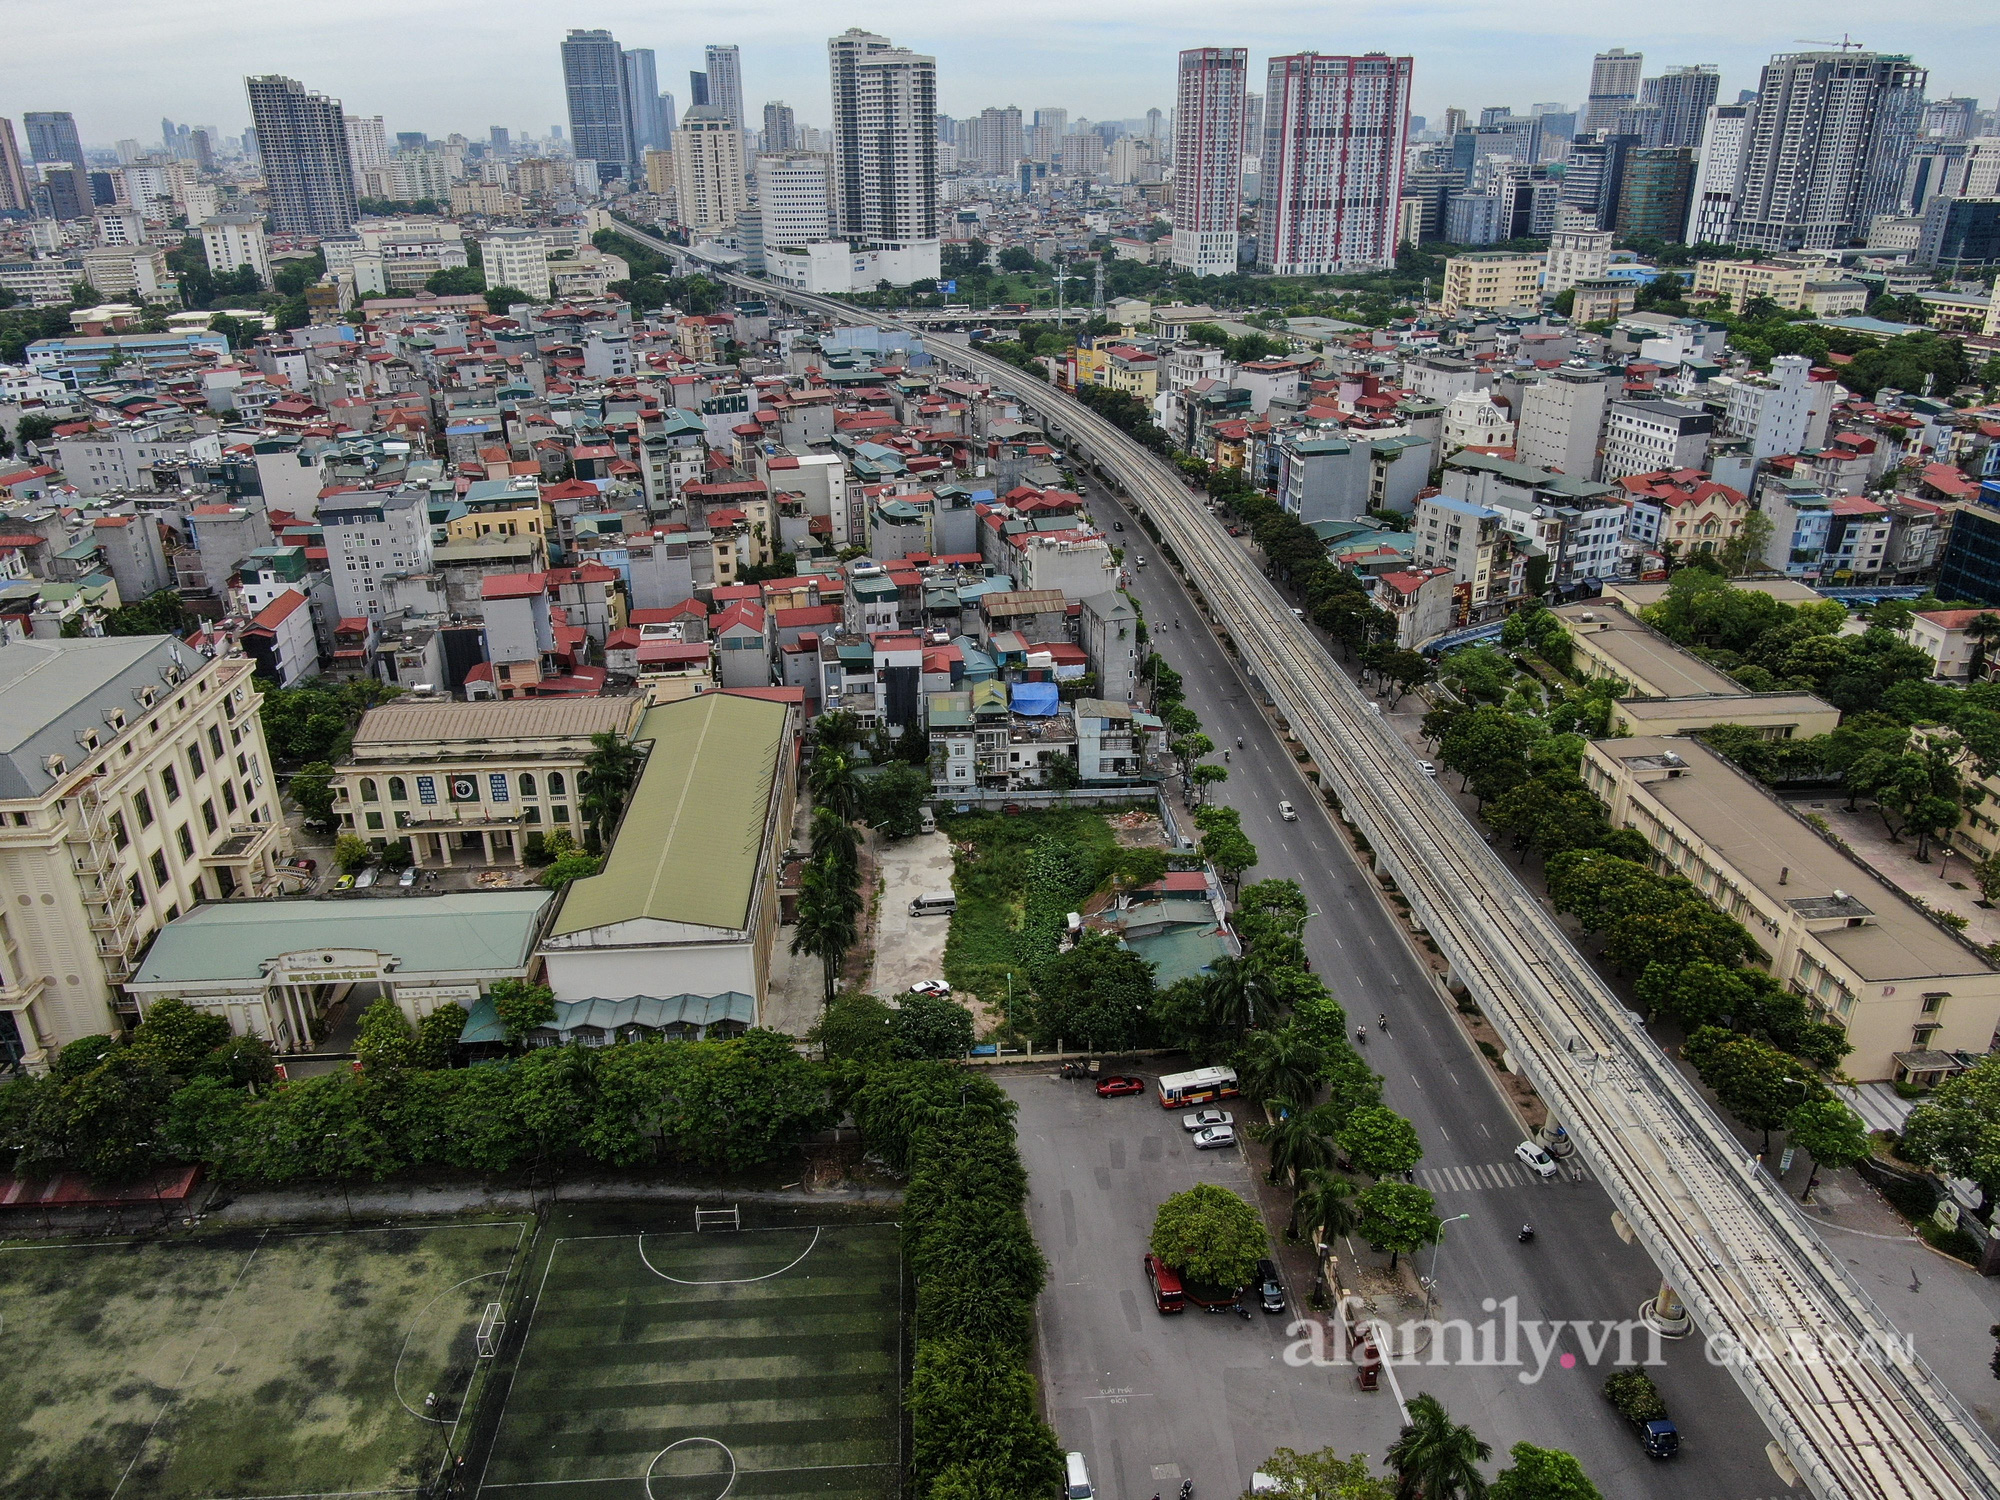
1286	812
1201	1119
1270	1290
930	987
409	877
345	883
1535	1159
1120	1083
1215	1137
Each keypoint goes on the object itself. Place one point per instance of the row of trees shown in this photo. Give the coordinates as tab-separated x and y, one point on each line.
183	1089
1434	1458
975	1423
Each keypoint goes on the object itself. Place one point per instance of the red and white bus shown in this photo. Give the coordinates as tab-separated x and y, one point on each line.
1198	1087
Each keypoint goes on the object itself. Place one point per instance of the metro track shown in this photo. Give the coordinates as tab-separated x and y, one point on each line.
1856	1416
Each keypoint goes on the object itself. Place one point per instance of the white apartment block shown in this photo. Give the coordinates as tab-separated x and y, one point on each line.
1208	158
1577	255
122	270
136	783
518	258
1719	176
370	539
120	225
708	171
1562	420
1332	163
1782	412
1643	437
233	240
795	198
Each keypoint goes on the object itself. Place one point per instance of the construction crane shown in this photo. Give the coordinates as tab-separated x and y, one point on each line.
1843	45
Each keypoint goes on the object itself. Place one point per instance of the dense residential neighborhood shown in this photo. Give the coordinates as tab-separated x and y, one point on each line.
688	795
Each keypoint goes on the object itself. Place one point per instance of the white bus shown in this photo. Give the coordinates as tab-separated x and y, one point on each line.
1198	1087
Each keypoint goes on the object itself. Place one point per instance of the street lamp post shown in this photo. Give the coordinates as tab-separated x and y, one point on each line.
1430	1282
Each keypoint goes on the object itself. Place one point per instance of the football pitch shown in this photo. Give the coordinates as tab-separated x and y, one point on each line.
689	1366
247	1365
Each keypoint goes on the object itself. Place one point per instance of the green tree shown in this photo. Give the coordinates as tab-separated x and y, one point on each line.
931	1026
1280	1064
610	771
1834	1134
500	298
162	613
1206	776
1399	1217
833	783
179	1036
975	1428
826	927
312	789
894	799
522	1006
1324	1207
1325	1475
1744	552
1957	1129
1380	1142
1095	995
855	1027
1209	1235
436	1042
1549	814
350	852
1435	1458
384	1039
1542	1474
455	281
1754	1081
1239	997
572	866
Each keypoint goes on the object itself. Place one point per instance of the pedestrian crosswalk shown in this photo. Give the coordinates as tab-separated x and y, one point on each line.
1497	1174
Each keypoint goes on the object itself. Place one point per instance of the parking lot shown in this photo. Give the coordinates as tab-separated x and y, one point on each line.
1153	1400
909	949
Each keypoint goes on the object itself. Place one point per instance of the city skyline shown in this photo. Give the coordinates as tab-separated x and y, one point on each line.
1111	66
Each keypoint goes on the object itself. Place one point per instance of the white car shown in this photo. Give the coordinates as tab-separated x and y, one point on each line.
1201	1119
1214	1138
930	987
1427	768
1286	812
1535	1159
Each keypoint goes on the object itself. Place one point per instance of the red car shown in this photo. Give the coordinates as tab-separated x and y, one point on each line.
1120	1083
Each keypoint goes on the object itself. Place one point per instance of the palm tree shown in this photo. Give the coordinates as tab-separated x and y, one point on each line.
1436	1458
834	785
1324	1207
833	839
827	927
610	771
1237	996
1296	1145
1279	1064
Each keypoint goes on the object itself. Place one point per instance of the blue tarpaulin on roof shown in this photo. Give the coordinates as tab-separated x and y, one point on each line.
1037	699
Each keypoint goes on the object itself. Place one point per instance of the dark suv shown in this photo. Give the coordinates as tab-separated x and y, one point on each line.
1269	1287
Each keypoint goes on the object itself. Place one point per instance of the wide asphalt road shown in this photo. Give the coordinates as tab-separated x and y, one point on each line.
1092	1214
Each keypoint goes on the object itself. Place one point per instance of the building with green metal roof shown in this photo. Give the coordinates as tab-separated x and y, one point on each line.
687	902
277	968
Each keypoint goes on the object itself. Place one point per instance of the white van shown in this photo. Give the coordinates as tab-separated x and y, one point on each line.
927	821
1076	1483
934	904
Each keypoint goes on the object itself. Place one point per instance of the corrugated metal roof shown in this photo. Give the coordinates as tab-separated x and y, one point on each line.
444	722
692	840
470	930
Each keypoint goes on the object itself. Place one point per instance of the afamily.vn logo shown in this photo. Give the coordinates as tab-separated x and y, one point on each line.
1529	1346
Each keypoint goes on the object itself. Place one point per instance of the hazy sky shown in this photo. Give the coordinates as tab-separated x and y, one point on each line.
448	66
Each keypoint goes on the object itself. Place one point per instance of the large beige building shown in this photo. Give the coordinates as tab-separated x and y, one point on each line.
1737	282
1906	989
709	185
134	783
1672	691
1490	280
468	782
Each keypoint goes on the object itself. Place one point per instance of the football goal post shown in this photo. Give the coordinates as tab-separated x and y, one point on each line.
487	1338
717	1218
